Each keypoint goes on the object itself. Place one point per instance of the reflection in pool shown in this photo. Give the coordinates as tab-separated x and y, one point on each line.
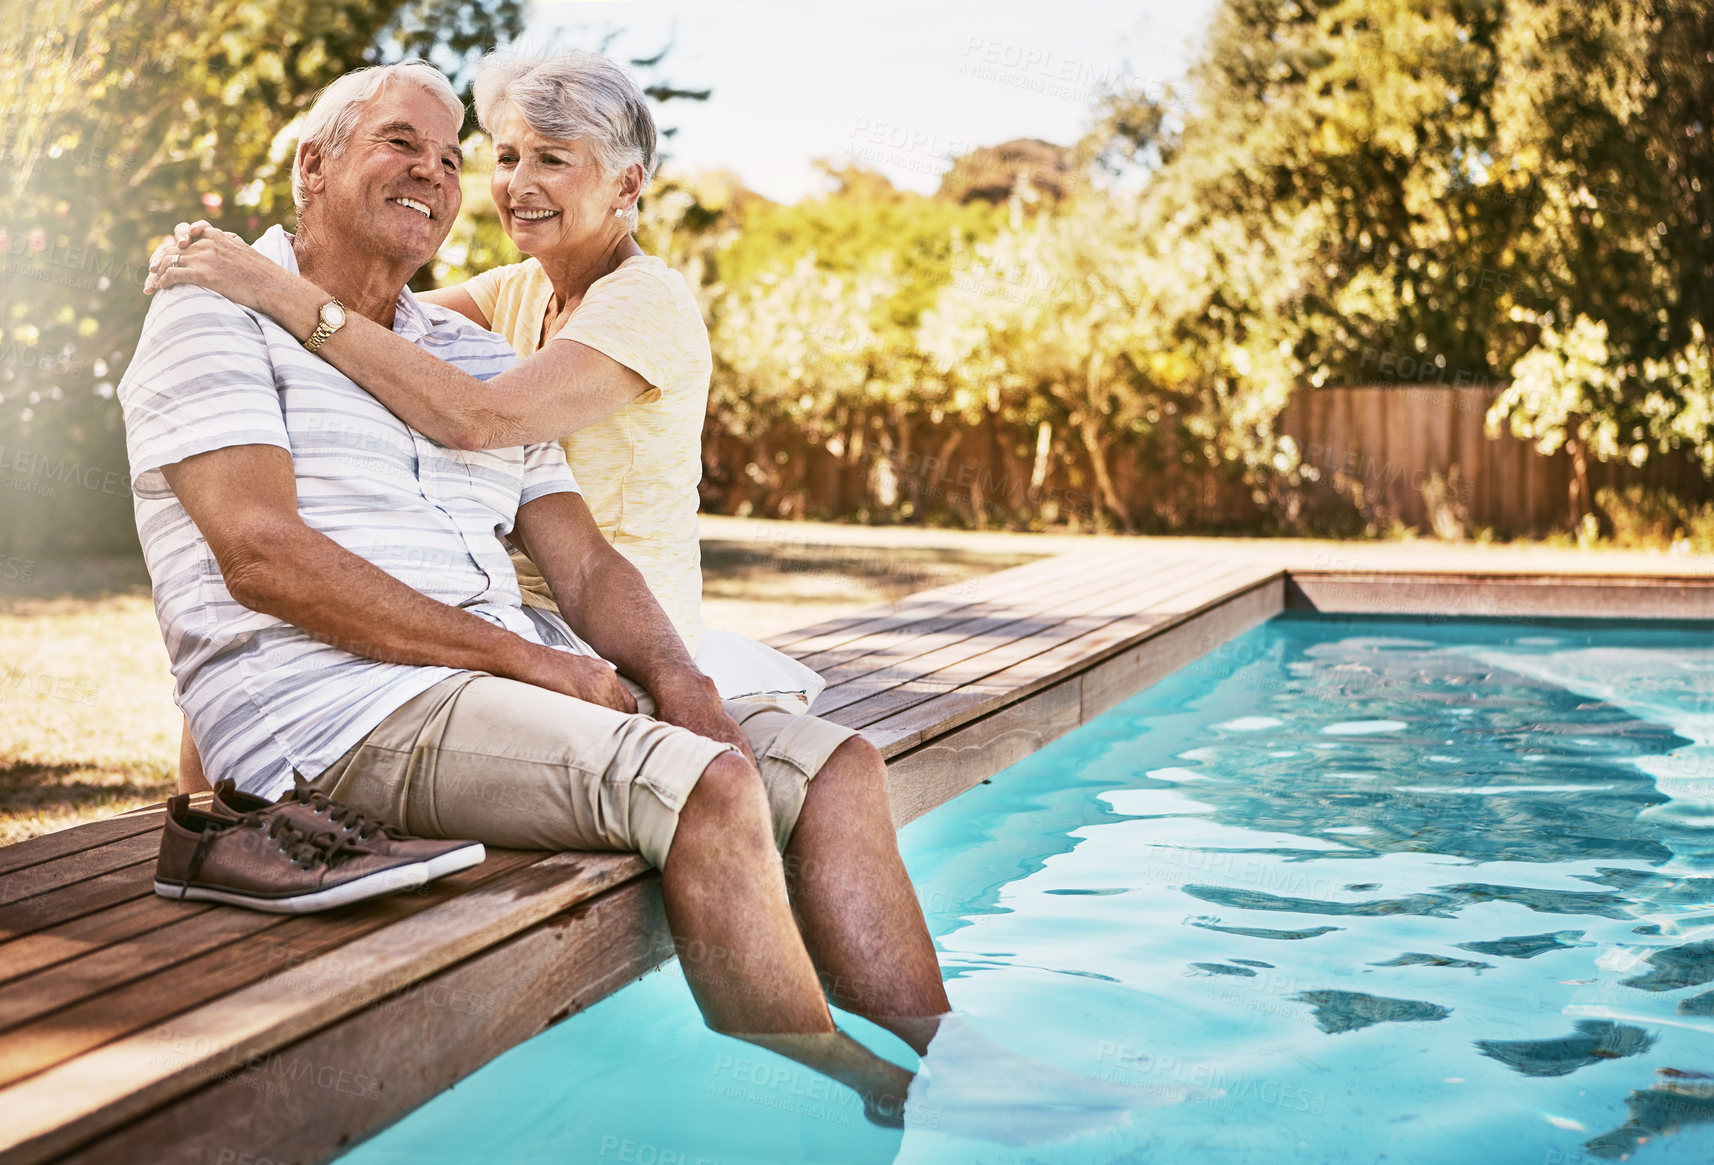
1442	891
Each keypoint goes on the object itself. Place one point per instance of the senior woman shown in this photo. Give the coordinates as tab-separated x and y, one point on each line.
617	361
616	358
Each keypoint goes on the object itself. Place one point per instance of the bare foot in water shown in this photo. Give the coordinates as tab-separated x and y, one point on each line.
973	1087
970	1086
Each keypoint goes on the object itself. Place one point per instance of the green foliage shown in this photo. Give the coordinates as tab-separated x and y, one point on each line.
1652	519
815	306
1602	114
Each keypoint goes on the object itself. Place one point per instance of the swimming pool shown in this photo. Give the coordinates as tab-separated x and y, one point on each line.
1441	891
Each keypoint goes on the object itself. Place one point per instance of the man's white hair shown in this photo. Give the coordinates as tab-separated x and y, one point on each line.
574	95
334	115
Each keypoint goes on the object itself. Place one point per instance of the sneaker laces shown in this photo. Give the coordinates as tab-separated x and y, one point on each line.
341	814
309	849
202	843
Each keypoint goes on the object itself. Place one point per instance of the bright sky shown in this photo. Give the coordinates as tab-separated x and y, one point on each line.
898	84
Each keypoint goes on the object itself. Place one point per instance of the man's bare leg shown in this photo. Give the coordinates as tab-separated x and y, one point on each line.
854	902
725	895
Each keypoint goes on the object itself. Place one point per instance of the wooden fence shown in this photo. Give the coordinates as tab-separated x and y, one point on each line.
1419	455
1384	456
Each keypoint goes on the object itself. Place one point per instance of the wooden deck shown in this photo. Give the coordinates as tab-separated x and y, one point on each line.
138	1029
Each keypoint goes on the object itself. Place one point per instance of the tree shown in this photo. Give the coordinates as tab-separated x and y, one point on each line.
994	173
121	118
1602	117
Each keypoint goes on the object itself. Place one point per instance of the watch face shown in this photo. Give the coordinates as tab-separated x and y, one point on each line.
333	315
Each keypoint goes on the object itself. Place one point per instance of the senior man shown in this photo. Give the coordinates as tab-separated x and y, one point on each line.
337	604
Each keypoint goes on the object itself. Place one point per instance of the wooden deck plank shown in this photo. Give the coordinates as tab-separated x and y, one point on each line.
962	591
953	761
907	715
77	866
1128	671
334	1087
80	936
1117	595
35	850
904	653
835	663
326	976
886	690
112	967
950	597
38	1045
1019	593
86	897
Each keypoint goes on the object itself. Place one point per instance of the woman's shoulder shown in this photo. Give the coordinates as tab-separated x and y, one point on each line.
514	274
645	275
506	281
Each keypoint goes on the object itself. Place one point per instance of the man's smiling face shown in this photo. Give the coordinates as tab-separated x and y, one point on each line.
393	191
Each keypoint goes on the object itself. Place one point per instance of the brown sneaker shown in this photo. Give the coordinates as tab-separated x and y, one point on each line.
271	863
316	812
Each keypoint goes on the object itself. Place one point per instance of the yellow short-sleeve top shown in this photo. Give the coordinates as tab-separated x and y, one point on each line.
640	467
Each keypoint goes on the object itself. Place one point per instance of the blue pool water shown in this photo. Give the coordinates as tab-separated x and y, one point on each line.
1341	891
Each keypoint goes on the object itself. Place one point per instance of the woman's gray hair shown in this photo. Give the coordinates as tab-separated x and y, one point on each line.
574	95
329	122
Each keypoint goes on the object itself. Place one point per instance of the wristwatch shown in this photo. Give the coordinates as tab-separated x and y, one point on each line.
332	319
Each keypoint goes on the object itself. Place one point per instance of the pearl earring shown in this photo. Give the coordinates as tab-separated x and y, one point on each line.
618	212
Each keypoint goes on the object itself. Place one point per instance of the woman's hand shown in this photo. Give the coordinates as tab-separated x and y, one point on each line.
200	254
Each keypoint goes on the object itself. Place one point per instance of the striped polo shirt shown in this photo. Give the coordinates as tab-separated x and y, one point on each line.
264	698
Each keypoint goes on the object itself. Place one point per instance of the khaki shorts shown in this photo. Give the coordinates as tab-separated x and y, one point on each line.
516	766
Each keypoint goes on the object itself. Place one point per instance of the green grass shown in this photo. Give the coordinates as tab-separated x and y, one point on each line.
87	722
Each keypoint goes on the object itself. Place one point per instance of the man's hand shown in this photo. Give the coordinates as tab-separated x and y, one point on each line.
583	677
691	701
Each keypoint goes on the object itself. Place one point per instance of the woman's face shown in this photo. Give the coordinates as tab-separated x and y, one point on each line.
552	195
